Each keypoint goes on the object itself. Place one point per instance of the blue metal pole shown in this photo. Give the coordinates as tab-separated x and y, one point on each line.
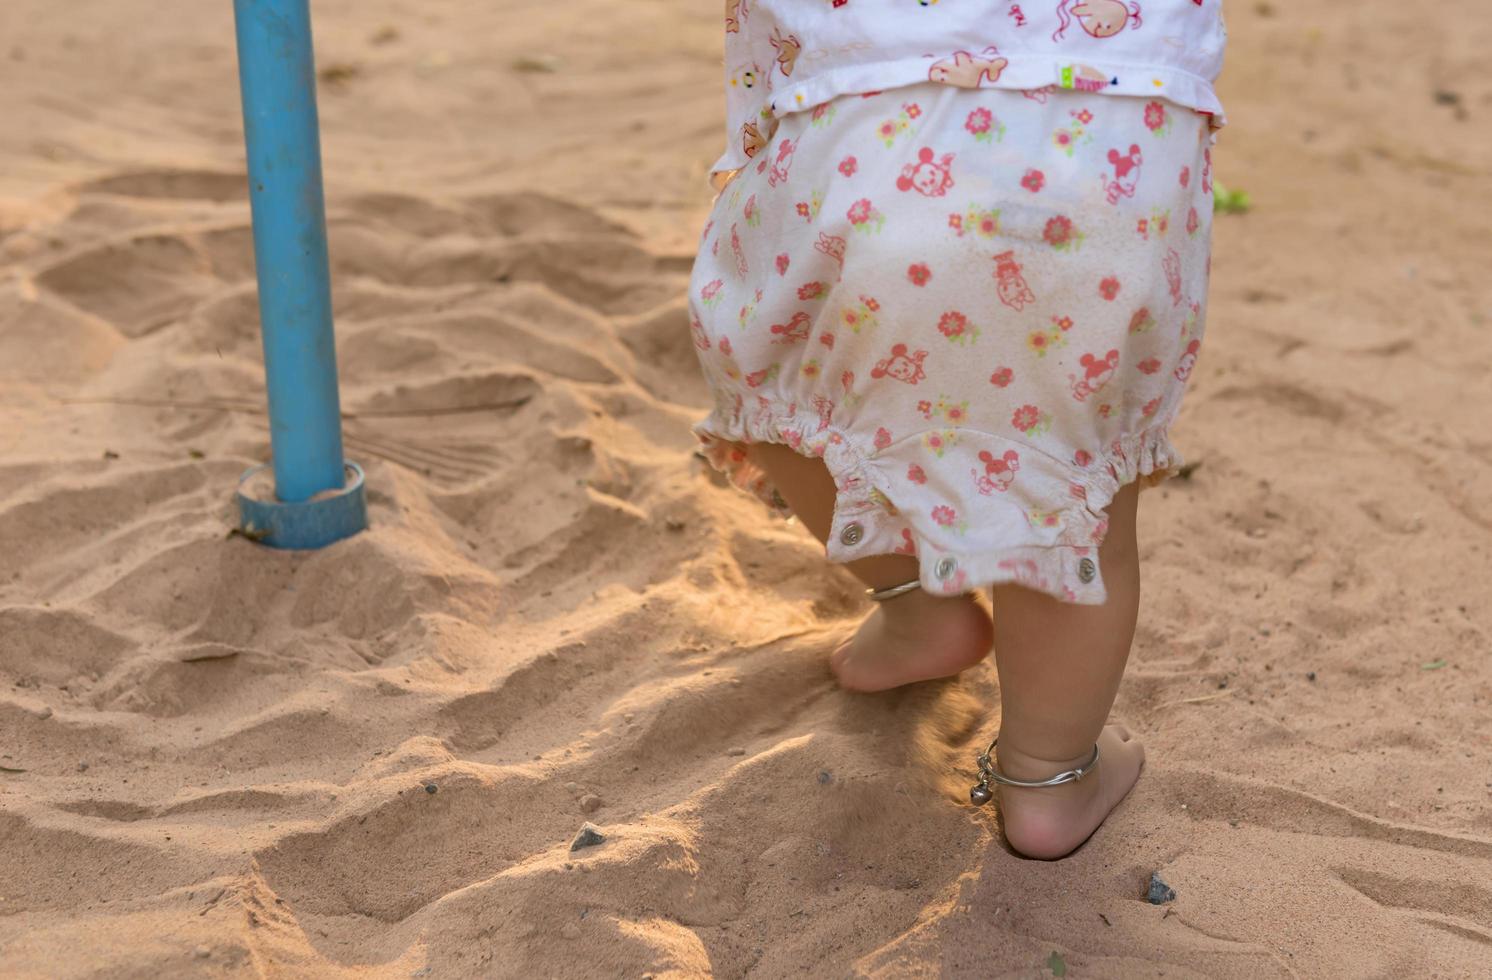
277	74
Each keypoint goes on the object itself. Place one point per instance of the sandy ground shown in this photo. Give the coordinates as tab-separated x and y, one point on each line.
222	760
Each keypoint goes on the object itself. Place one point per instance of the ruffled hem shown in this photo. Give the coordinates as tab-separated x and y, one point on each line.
1057	556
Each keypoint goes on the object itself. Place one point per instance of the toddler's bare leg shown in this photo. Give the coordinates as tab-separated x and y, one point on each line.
1060	666
914	637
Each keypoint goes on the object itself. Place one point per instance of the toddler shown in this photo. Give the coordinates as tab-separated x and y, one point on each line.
947	301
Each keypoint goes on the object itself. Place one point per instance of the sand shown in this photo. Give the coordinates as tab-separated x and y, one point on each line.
222	760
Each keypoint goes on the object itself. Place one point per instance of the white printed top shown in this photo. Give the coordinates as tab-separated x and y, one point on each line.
783	56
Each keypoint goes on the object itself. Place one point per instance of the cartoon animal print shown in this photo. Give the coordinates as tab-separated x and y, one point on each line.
965	70
902	365
1018	15
1126	174
1172	266
832	246
752	140
1100	18
783	163
999	473
1010	284
1188	360
735	12
738	252
793	330
929	176
1097	372
787	48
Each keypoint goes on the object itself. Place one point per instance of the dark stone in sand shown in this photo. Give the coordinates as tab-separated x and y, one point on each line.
431	788
588	837
1159	892
825	778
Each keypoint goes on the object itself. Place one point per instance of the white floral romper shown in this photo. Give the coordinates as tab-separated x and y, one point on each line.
979	306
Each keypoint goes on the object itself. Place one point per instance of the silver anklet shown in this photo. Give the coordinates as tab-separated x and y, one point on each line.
881	595
981	793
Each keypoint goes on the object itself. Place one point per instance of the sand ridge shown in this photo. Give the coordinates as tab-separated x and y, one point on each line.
372	760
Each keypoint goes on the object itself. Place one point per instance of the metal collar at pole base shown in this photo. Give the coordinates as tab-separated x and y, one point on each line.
314	523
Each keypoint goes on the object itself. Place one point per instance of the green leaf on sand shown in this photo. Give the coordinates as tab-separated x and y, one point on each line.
1433	664
1056	964
1226	201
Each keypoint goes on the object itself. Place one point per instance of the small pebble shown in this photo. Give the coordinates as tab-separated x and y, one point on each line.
431	788
45	713
202	952
590	803
825	778
82	767
569	786
589	836
735	750
1311	676
627	717
1159	892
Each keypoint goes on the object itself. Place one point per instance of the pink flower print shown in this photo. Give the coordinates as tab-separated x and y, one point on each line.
1109	288
827	339
782	264
811	369
984	126
1155	116
1143	228
1150	407
912	109
1141	321
1149	366
883	438
1105	410
936	442
803	211
710	291
925	407
956	414
1192	221
907	546
1083	116
1002	377
846	380
955	326
944	515
915	474
725	346
1082	458
862	214
919	274
956	222
810	290
1063	139
871	304
888	131
1039	341
1186	176
848	166
1062	323
1026	418
755	378
1059	232
1033	181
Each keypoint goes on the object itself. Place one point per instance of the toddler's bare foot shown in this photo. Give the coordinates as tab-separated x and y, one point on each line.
914	637
1054	821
